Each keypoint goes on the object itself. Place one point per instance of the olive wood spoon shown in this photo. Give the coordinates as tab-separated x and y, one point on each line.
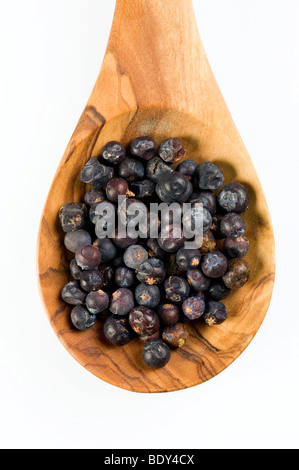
156	80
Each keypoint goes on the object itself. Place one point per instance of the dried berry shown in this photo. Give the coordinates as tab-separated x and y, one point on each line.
155	251
207	198
82	319
106	248
188	168
143	189
208	243
174	187
75	270
197	280
169	314
238	273
172	150
134	256
209	176
92	280
234	197
94	196
151	272
215	313
218	290
113	152
214	264
175	335
144	321
198	219
188	258
97	301
171	238
124	277
72	294
117	330
156	354
233	225
143	147
74	241
122	302
96	174
193	308
216	227
131	170
146	295
236	247
176	289
115	188
73	216
157	169
124	242
88	257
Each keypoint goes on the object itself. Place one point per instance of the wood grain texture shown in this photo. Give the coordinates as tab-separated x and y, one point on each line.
156	80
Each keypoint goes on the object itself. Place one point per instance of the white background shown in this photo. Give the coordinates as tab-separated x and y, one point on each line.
51	52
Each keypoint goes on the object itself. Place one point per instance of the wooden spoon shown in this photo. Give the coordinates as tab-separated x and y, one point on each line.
156	80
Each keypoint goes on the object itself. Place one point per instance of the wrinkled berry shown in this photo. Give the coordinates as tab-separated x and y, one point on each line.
233	225
131	169
188	168
122	302
238	273
175	335
75	270
151	272
155	251
82	319
175	187
94	196
156	354
73	216
72	294
172	150
117	330
197	219
176	289
92	280
143	189
146	295
207	198
209	176
157	169
171	238
144	321
234	197
193	308
216	227
113	152
215	313
214	264
143	147
208	243
96	174
236	247
97	301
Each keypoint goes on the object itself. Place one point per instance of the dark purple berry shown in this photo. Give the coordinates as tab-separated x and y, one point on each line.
175	335
197	280
88	257
188	258
193	308
92	280
169	314
234	197
175	187
82	319
72	294
122	302
157	169
123	242
151	272
198	219
209	176
106	248
176	289
144	321
124	277
156	354
238	273
188	168
146	339
172	150
218	290
94	196
96	174
143	189
134	256
233	225
216	227
74	241
113	152
115	188
207	198
155	251
214	264
131	170
143	147
97	301
236	247
146	295
76	271
171	238
73	216
117	330
215	313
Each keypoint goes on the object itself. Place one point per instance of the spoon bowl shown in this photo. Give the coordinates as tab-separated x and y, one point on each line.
156	80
